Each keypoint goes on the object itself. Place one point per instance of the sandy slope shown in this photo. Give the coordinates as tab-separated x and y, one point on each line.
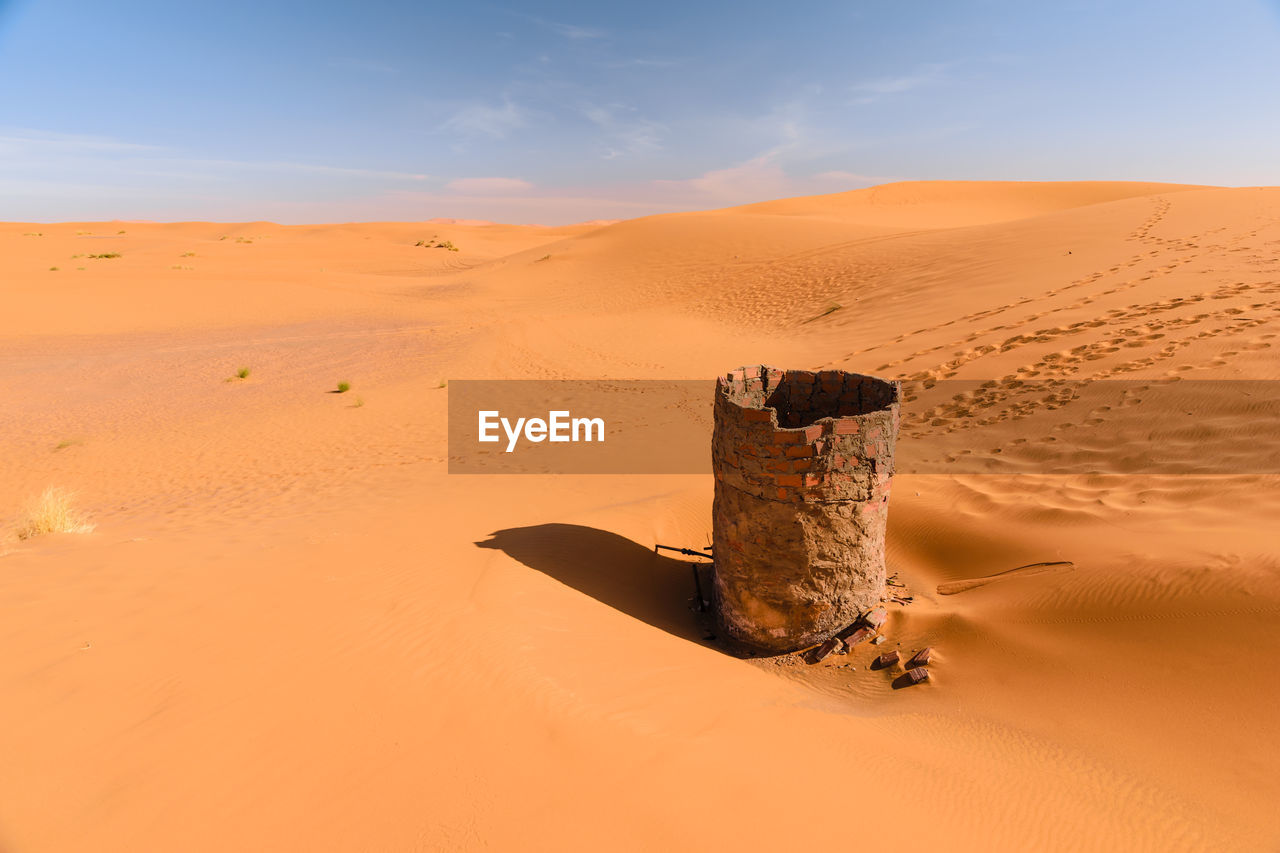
292	630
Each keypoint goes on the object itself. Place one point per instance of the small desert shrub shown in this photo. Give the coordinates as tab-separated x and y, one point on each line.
543	258
831	309
242	373
243	240
358	403
106	255
344	387
53	269
119	233
52	513
444	383
436	243
33	234
188	255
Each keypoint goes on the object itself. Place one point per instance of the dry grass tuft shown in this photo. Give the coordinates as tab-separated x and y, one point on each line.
52	513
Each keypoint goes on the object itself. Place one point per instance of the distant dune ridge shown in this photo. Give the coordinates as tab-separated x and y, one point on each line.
291	629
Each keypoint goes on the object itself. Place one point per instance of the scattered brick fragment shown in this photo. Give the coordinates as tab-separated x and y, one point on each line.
910	677
920	658
858	636
886	660
824	650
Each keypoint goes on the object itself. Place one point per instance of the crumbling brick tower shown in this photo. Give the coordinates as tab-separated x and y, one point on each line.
803	463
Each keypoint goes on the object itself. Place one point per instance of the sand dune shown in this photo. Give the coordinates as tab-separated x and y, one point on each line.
912	205
291	629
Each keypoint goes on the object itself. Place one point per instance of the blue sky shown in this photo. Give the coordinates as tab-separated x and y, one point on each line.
559	112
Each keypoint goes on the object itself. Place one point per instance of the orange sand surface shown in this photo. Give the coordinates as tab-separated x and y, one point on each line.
292	630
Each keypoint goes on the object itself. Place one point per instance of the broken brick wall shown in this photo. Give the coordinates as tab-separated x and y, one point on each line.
803	464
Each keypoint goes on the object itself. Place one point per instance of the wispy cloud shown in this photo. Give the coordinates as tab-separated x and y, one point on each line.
13	141
24	149
481	119
870	91
640	62
624	132
758	179
574	32
488	186
311	168
571	31
371	66
839	177
754	180
47	175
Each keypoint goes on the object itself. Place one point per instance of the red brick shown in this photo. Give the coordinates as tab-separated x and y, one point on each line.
783	494
757	416
813	433
812	480
800	450
747	450
874	433
788	437
790	480
847	426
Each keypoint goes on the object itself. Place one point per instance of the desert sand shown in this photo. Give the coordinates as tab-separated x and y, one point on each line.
291	629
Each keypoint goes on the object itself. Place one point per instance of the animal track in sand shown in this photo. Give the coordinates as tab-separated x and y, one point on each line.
1187	250
980	333
1002	397
950	368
